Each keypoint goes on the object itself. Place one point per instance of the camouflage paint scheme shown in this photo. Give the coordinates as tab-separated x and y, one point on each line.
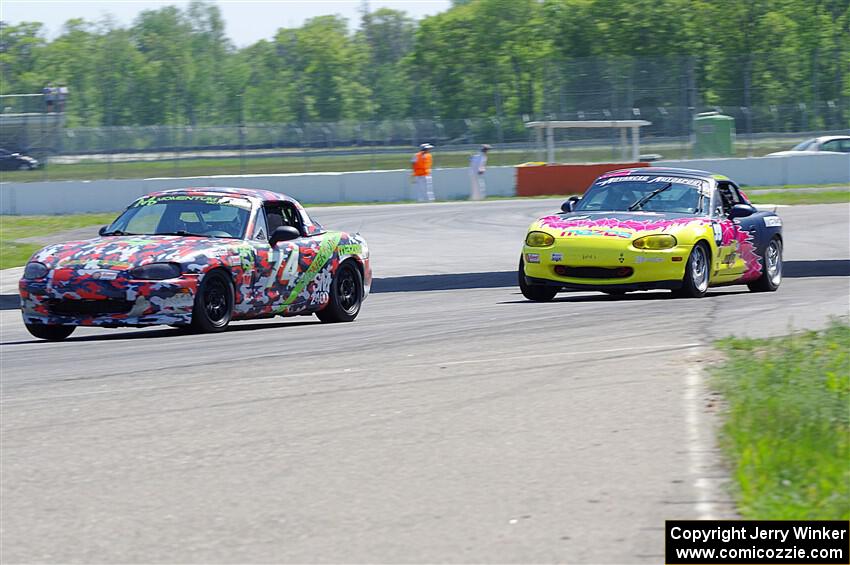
604	239
290	279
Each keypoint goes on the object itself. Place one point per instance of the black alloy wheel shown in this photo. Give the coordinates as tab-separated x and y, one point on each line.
346	295
213	303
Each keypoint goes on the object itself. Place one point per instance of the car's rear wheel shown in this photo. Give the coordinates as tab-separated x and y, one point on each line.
50	332
695	283
771	273
213	303
345	297
535	292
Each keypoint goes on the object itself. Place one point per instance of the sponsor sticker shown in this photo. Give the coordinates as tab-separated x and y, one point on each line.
557	257
772	221
350	249
700	184
641	259
532	257
206	199
104	275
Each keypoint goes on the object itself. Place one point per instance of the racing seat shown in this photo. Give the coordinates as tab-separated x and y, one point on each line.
274	220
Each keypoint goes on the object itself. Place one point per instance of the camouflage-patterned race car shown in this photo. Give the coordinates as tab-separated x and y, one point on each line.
650	228
197	258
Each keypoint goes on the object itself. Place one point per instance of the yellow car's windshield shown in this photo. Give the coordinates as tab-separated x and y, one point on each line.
618	194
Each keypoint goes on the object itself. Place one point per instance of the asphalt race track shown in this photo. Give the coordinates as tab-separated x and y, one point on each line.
452	422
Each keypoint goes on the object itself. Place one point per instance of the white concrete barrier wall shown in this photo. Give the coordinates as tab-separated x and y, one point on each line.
71	197
781	170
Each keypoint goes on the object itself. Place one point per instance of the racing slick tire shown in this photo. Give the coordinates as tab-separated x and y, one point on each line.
213	303
534	292
771	274
345	297
697	269
50	332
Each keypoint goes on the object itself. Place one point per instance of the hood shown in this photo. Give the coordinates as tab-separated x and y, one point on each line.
792	153
124	252
613	224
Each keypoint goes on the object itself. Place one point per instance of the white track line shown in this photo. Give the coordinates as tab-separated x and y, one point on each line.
697	442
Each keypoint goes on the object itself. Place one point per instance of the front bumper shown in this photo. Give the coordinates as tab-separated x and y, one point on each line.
599	265
71	297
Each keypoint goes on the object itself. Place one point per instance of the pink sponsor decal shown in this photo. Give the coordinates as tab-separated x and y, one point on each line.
612	224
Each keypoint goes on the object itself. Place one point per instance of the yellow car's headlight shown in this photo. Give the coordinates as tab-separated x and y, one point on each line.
655	242
539	239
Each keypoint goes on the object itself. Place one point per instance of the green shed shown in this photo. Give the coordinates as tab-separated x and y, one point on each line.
714	135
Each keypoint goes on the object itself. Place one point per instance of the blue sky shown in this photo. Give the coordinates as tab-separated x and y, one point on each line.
247	20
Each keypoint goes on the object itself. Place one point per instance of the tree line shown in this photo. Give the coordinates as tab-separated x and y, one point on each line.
479	58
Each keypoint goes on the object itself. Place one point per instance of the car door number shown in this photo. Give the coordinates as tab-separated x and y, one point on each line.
290	271
285	273
718	233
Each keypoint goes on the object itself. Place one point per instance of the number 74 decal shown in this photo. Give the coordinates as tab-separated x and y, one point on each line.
289	272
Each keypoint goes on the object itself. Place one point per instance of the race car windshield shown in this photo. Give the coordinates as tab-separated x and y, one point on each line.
185	215
619	194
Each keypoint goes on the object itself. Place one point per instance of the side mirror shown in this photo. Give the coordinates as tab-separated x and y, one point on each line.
102	230
283	233
741	211
570	204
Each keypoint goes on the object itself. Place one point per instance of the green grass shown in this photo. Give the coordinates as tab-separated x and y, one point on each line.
832	197
747	187
12	228
787	424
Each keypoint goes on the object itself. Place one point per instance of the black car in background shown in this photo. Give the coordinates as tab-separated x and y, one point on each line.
10	161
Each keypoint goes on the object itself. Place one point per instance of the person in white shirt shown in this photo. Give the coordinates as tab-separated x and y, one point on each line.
477	166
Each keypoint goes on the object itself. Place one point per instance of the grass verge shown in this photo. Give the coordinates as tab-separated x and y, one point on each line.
793	186
14	253
787	427
826	197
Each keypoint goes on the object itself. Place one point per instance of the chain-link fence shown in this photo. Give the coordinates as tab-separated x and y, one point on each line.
669	92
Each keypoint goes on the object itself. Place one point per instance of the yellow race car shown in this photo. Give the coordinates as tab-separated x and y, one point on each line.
653	228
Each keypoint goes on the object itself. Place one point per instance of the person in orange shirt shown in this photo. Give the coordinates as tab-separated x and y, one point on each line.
423	187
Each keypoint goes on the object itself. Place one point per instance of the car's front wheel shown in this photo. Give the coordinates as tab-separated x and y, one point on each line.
345	296
695	283
534	292
50	332
771	271
213	303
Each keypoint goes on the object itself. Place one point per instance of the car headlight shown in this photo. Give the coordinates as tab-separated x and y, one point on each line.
156	271
35	270
655	242
539	239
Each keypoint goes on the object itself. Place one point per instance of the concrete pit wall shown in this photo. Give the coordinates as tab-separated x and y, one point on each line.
72	197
